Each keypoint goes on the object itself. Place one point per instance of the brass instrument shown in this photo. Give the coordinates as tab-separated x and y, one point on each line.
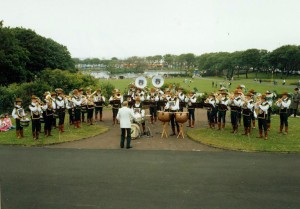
279	101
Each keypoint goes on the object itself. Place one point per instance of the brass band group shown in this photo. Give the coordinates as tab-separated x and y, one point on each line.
171	105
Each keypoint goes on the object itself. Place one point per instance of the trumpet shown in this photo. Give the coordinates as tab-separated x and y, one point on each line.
278	101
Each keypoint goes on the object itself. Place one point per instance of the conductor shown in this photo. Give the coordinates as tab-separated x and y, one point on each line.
124	115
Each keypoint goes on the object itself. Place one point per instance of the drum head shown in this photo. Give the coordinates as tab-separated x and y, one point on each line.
141	82
158	81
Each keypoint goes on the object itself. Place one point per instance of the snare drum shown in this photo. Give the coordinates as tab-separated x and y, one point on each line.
24	123
135	131
181	117
163	116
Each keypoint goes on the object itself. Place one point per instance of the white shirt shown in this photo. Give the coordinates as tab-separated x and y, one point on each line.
124	116
284	104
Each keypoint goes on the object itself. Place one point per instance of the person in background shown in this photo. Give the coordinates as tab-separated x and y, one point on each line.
3	125
124	115
7	120
295	102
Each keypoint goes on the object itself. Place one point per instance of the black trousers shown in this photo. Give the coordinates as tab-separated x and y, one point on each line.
293	112
128	139
153	111
212	116
77	113
90	113
48	122
173	122
18	126
35	125
98	110
71	115
191	113
61	117
284	119
115	112
234	118
262	124
247	121
221	116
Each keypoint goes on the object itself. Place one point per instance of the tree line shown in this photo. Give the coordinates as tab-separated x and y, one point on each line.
284	60
24	54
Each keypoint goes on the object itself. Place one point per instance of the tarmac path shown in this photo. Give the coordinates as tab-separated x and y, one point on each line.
42	178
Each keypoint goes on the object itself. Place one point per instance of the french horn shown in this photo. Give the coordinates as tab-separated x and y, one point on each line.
158	81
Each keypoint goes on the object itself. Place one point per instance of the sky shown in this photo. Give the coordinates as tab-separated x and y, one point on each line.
124	28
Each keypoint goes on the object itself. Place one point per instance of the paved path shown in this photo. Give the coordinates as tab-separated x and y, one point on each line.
42	178
111	139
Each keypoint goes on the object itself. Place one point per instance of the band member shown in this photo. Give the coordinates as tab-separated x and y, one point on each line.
77	100
161	98
36	111
153	98
284	104
61	110
252	91
269	99
48	115
262	116
295	102
211	111
116	99
181	98
236	103
90	106
18	113
99	101
70	108
222	110
139	112
83	105
53	98
191	99
247	110
173	106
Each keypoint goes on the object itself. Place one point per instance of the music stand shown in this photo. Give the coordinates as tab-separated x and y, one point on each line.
161	103
115	102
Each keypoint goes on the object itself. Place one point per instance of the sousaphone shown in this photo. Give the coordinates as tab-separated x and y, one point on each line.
141	82
158	81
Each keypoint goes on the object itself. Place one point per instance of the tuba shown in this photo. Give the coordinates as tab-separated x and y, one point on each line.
157	81
141	82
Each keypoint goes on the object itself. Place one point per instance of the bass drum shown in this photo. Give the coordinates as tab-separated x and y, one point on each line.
135	131
181	117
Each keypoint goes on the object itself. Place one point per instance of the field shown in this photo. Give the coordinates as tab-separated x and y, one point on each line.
205	84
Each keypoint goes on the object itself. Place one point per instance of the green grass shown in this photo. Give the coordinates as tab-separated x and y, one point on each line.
205	84
275	143
70	134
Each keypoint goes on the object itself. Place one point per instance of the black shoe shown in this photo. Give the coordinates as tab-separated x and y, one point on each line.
129	147
173	134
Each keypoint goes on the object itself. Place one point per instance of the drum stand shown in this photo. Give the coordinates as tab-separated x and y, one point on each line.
165	130
180	131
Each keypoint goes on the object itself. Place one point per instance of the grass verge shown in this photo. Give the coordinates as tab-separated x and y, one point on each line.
70	134
275	143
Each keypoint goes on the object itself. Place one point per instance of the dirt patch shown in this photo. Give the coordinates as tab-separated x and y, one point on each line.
111	139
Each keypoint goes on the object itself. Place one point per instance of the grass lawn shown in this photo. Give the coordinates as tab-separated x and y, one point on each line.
205	84
70	134
275	143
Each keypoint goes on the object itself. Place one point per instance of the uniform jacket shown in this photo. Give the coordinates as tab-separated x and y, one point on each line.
124	115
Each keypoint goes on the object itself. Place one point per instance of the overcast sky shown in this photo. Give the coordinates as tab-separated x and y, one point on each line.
123	28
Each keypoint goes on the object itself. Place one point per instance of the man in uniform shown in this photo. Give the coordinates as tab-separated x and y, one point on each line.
77	100
263	107
61	110
99	101
173	106
191	99
18	113
295	102
284	105
36	111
